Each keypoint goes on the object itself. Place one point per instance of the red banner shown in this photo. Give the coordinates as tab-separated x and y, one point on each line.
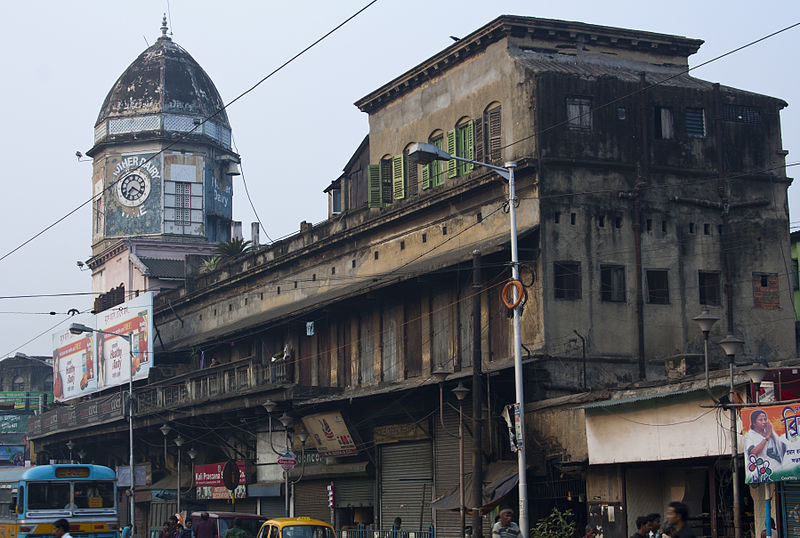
211	474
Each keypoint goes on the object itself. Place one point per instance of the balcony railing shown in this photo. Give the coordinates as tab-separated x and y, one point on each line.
184	390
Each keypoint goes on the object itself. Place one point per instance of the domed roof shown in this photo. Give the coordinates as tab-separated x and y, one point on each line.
163	94
164	78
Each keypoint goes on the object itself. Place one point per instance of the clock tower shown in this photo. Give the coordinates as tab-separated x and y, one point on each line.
162	172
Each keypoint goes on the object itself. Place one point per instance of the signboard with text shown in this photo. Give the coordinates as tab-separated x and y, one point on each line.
212	475
771	443
88	363
330	434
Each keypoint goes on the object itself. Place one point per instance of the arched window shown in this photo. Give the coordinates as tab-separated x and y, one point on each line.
488	135
461	142
379	181
18	384
433	173
410	174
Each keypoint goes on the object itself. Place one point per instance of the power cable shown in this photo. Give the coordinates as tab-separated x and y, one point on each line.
247	191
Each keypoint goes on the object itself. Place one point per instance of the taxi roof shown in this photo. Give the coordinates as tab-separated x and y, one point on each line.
302	520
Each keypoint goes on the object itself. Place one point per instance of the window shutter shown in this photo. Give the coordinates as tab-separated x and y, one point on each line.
468	146
452	164
426	177
398	178
494	135
386	181
411	173
479	143
374	185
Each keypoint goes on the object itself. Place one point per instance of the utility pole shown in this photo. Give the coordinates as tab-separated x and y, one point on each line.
477	398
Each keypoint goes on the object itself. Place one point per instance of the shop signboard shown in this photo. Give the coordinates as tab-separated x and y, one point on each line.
330	434
771	443
87	363
212	475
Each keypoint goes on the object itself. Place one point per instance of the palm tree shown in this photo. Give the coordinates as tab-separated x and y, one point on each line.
210	264
233	248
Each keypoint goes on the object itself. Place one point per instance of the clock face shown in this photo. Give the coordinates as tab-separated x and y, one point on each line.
133	189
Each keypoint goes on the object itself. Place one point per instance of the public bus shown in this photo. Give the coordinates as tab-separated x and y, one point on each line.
84	495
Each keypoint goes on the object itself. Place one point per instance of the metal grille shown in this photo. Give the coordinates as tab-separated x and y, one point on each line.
183	203
446	453
791	509
311	499
742	114
211	129
695	122
173	122
134	125
354	492
100	131
406	484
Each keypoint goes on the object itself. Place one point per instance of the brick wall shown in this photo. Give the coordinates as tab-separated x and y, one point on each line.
766	291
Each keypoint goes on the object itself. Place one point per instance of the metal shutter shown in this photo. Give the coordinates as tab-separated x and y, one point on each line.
159	512
311	499
272	507
791	509
446	465
354	492
406	482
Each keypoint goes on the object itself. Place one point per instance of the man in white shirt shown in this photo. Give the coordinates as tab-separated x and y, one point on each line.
61	529
505	528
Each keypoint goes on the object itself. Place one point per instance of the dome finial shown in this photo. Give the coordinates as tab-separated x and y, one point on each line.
164	26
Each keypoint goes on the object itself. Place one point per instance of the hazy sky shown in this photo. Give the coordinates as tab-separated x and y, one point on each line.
298	129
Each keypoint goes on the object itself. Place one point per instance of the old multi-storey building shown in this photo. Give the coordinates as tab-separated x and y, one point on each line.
643	195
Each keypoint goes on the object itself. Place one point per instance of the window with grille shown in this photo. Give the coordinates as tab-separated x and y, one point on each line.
663	123
579	113
183	203
741	114
567	280
657	287
612	283
695	122
709	284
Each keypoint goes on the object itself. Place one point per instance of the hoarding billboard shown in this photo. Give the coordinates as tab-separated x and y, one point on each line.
330	434
87	363
771	443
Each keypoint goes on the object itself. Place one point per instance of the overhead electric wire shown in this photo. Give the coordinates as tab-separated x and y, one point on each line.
247	192
196	126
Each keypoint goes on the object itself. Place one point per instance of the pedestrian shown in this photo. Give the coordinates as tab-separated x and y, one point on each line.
678	518
205	528
187	529
642	527
505	528
396	527
166	531
127	530
236	531
591	531
61	529
655	524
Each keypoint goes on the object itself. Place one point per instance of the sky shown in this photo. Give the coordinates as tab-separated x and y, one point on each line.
296	131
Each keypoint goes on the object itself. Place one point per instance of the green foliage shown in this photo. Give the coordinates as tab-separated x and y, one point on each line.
556	525
211	264
233	248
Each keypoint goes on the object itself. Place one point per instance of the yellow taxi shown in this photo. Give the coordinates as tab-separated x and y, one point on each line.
296	527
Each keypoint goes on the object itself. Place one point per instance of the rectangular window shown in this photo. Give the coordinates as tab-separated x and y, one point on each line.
183	203
695	122
663	126
741	114
612	283
657	287
709	285
579	113
795	275
465	147
336	201
567	280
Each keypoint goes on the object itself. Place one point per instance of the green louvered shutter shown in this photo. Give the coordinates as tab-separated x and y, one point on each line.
374	185
398	178
452	164
468	147
477	127
426	177
412	185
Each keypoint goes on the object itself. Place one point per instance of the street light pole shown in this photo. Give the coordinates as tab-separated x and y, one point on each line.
461	392
78	328
731	345
425	153
179	443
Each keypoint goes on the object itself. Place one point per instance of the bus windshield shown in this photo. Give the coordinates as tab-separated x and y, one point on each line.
48	496
94	494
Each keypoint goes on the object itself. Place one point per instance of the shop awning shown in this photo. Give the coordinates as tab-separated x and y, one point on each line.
500	478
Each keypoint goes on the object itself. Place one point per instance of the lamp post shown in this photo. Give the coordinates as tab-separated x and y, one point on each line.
461	392
732	345
70	446
705	321
285	420
179	444
81	455
165	431
425	153
77	328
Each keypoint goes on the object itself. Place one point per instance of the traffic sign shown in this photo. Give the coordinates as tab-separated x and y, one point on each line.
287	460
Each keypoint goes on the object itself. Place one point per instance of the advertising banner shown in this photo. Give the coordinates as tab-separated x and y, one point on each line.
771	443
330	434
87	363
211	474
12	455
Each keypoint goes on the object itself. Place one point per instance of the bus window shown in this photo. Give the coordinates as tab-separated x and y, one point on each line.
94	494
21	499
48	496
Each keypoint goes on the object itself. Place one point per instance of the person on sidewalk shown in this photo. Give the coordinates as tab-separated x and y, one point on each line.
505	528
205	528
678	518
643	527
61	529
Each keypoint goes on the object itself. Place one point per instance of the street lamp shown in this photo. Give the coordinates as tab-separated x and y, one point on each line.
461	392
81	454
78	328
731	346
424	153
705	321
179	444
286	421
70	446
165	431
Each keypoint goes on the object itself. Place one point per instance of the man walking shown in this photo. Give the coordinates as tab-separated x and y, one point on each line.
61	529
678	517
642	527
205	528
505	528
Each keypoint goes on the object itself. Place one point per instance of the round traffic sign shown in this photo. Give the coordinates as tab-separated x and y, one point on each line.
287	460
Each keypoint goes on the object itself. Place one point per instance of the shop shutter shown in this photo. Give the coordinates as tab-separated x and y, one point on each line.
354	492
791	509
311	499
446	449
405	486
159	512
272	506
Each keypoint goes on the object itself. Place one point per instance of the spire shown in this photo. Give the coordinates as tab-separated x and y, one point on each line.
164	27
